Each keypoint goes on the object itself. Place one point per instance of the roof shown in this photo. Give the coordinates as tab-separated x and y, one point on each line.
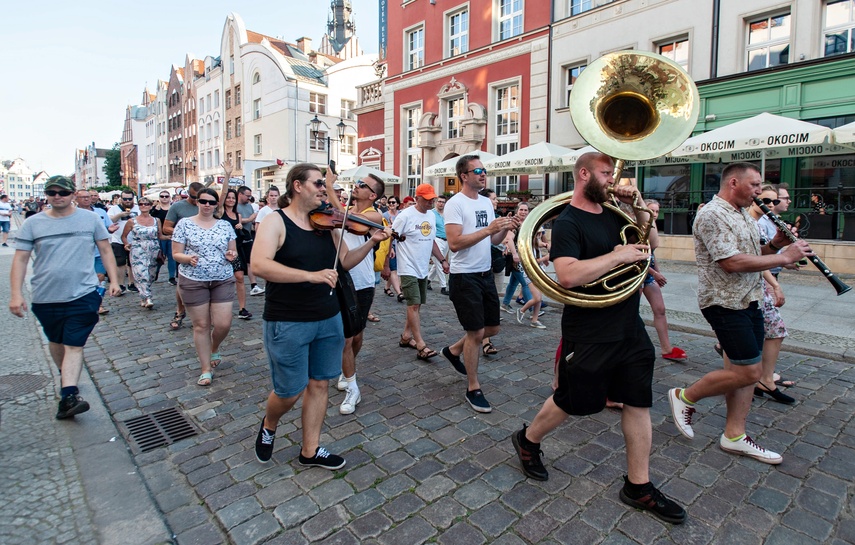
307	71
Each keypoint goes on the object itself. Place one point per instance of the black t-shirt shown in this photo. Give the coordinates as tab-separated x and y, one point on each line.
583	235
160	214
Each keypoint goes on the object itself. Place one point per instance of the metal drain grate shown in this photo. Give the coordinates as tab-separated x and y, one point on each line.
158	429
12	386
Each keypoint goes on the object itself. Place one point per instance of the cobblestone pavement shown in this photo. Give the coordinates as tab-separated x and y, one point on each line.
43	500
423	467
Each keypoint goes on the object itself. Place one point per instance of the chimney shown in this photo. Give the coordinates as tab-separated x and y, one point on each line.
305	44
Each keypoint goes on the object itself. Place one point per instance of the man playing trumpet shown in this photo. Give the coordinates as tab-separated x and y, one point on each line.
606	352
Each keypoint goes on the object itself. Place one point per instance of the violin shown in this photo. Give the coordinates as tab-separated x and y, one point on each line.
332	218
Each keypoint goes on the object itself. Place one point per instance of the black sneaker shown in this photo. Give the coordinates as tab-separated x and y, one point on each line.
455	360
324	459
529	458
244	314
172	281
264	444
651	499
133	288
444	291
71	405
478	402
123	291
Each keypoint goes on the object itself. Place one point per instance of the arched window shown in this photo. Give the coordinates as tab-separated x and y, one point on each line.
256	78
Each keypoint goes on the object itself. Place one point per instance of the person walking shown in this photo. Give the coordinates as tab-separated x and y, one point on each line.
730	258
471	226
204	246
64	283
605	351
120	213
184	208
161	211
5	220
85	202
227	211
143	248
436	267
303	334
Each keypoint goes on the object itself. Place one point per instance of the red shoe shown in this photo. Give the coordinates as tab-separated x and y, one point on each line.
675	354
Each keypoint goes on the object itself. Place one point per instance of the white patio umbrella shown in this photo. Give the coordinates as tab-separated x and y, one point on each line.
571	158
357	173
845	134
449	166
764	136
538	158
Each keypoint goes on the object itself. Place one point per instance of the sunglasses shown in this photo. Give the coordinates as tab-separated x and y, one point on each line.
391	202
774	202
363	185
318	183
164	196
206	201
144	204
60	192
478	171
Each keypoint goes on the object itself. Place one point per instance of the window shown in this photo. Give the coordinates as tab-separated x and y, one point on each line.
415	43
228	130
458	33
348	144
256	108
216	157
232	64
256	140
228	157
228	99
571	73
347	107
839	27
581	6
454	115
318	103
677	51
238	127
238	157
413	165
237	95
507	130
768	42
216	99
510	18
256	78
411	118
318	142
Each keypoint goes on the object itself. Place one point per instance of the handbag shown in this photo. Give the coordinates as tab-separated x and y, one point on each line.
161	257
346	293
497	255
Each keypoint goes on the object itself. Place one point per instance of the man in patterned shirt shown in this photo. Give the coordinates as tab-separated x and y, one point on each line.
730	258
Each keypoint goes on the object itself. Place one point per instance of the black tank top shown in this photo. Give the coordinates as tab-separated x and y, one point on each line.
303	301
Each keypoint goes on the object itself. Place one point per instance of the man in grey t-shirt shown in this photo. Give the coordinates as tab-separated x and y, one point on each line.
247	218
186	208
64	282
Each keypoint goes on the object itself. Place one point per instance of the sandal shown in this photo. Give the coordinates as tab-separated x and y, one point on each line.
407	343
400	297
388	292
205	379
425	353
786	383
215	359
177	320
102	311
372	318
775	394
488	349
718	350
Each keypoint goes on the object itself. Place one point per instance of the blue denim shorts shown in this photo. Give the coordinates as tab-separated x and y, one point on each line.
99	266
299	351
5	226
69	323
740	332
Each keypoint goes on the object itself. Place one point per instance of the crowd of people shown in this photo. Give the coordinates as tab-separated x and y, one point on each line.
321	270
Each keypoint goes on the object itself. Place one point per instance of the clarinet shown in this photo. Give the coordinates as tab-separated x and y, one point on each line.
838	284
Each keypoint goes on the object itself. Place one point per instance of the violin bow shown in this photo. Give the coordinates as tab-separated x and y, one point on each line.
341	238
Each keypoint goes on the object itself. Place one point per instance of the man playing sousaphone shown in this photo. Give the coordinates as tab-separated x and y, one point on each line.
606	352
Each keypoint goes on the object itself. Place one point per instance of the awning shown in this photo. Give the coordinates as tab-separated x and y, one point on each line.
538	158
449	166
357	173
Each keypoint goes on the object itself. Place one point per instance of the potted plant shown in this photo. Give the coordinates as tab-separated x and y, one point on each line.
523	195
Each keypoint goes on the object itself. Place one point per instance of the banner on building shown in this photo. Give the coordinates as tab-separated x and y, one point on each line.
383	34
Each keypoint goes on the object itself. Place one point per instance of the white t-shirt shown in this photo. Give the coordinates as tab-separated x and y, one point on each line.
363	273
5	211
263	213
414	253
473	215
116	236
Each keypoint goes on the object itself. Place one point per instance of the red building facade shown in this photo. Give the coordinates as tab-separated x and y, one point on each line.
461	77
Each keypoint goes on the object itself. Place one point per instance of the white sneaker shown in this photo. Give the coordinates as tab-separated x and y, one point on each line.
351	400
257	290
507	308
747	447
537	325
342	383
682	413
520	315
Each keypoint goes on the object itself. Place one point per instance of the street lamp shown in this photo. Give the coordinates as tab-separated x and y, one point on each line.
178	161
340	126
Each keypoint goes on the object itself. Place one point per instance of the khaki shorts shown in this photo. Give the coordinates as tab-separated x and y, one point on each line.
195	293
414	290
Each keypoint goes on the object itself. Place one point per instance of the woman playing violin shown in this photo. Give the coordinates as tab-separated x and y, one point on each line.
303	333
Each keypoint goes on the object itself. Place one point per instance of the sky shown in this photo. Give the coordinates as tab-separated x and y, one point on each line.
69	69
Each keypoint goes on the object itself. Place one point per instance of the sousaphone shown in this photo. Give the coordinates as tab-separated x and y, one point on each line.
632	106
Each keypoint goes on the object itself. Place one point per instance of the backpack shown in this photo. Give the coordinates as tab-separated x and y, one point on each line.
381	250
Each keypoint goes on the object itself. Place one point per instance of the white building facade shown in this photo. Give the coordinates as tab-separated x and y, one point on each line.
209	120
89	166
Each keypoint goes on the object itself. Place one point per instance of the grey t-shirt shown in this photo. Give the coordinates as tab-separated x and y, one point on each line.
181	210
245	211
64	268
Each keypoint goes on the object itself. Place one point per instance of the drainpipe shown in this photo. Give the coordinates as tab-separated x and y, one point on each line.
716	18
548	179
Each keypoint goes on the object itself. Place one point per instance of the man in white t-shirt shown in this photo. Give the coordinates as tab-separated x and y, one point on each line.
418	224
5	218
120	214
471	227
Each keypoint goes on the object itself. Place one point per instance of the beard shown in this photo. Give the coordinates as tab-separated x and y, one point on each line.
595	193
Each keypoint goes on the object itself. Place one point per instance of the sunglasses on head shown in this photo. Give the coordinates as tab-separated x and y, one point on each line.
207	201
774	202
60	192
478	171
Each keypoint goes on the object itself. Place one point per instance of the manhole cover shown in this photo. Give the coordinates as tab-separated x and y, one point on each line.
12	386
158	429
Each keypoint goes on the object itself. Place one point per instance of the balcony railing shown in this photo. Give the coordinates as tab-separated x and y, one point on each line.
370	94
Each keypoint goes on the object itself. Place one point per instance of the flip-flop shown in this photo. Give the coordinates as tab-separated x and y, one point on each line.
785	383
215	359
205	379
372	318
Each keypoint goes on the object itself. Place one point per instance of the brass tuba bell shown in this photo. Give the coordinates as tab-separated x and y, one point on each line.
632	106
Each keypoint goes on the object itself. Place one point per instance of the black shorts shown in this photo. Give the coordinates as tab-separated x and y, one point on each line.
69	323
120	254
245	249
620	371
364	300
475	299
